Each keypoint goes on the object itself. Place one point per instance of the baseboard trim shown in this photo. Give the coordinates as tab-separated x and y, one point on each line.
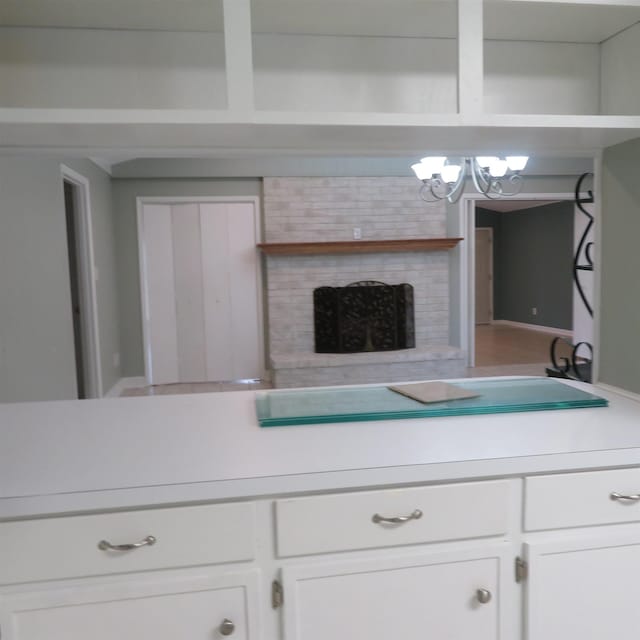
565	333
125	383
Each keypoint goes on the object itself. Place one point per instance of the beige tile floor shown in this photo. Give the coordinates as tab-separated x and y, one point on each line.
194	387
500	351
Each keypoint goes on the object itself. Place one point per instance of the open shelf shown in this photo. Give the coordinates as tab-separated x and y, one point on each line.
357	246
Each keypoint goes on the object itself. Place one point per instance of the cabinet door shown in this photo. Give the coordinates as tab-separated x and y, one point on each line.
429	596
133	609
584	588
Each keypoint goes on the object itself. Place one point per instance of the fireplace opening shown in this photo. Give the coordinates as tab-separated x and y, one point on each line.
363	316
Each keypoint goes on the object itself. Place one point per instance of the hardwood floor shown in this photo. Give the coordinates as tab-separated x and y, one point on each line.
506	350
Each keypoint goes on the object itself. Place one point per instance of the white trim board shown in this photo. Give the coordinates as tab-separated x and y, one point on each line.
567	333
88	277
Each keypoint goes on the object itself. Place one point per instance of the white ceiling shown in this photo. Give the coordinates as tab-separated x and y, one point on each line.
504	19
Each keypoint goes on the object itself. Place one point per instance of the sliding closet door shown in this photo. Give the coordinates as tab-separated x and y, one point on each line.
200	277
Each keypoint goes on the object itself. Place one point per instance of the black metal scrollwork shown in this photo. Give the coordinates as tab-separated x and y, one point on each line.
574	366
583	250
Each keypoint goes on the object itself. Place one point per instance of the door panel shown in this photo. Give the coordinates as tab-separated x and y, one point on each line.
432	596
484	276
584	588
201	281
133	610
161	301
190	329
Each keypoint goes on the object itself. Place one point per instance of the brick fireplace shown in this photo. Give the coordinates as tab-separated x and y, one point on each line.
328	210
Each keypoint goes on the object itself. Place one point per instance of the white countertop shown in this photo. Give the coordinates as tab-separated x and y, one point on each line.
70	456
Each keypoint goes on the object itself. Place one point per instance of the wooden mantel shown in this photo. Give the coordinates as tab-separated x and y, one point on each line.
357	246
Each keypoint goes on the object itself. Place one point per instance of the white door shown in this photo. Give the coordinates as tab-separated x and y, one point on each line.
441	595
584	588
201	291
484	275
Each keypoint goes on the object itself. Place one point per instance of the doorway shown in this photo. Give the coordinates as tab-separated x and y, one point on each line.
201	289
82	284
514	337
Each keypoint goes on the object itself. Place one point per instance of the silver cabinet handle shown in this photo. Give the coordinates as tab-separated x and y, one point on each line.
105	545
621	496
227	627
483	596
416	515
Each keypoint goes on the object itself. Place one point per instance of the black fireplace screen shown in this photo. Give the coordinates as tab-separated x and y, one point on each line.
363	316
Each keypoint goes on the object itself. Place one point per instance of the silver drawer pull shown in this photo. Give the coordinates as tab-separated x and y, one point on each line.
416	515
105	545
620	496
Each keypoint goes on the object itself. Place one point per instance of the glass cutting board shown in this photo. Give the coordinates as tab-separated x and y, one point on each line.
357	404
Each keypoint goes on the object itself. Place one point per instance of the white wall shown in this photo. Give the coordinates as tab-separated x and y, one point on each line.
329	73
541	77
36	330
111	69
619	308
621	73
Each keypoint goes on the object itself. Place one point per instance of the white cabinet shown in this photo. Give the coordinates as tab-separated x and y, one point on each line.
454	595
157	573
135	608
586	588
453	590
583	578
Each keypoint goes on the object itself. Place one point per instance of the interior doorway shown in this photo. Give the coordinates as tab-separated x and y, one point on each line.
201	289
530	288
82	284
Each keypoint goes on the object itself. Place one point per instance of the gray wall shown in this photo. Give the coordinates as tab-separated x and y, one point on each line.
620	268
36	333
533	258
125	193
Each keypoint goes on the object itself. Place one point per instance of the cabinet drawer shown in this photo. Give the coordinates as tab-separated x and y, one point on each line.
346	521
581	499
68	547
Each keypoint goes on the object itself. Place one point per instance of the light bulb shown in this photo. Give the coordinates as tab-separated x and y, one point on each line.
498	168
421	171
517	163
450	172
433	164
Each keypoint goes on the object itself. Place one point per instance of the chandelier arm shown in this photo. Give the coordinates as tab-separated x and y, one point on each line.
457	188
435	189
516	181
426	192
479	181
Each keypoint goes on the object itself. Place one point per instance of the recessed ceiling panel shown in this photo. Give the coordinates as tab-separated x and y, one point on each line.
173	15
408	18
555	21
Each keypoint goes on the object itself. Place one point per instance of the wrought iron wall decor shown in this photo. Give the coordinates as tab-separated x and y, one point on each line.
575	366
363	316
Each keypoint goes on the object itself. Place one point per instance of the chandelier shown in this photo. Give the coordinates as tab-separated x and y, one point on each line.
444	178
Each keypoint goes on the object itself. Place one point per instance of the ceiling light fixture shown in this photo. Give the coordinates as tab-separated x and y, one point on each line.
444	178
